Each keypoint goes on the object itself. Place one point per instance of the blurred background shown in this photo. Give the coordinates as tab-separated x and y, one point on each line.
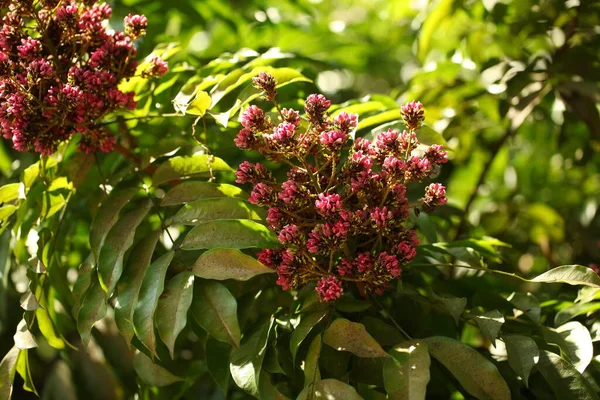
511	85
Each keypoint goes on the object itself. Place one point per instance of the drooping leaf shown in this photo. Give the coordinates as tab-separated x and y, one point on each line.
344	335
329	389
8	367
83	282
187	192
454	305
406	374
476	374
523	355
151	373
307	323
152	286
107	215
173	306
489	323
215	310
180	167
9	192
217	362
23	338
29	302
266	388
311	363
571	274
527	303
93	308
25	372
575	341
117	242
221	264
6	211
46	326
246	362
568	313
564	379
130	283
200	104
211	209
232	233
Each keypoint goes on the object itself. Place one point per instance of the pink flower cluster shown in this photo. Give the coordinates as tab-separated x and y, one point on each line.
341	215
60	70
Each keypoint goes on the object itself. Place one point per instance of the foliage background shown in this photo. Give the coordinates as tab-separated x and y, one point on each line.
511	85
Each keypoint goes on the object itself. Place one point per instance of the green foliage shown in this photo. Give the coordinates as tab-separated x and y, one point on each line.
134	273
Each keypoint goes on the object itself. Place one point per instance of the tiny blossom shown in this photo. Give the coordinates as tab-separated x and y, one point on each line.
329	288
413	114
136	25
435	195
267	84
345	122
342	215
328	204
158	67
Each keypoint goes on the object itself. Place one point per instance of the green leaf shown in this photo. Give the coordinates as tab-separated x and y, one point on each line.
186	95
311	363
130	283
217	362
406	374
93	308
454	305
344	335
6	211
246	362
434	19
7	372
187	192
426	135
523	355
83	282
107	215
152	286
180	167
378	119
46	326
117	242
216	208
329	389
476	374
568	313
489	323
267	390
25	372
173	305
386	335
575	341
215	309
571	274
233	233
528	303
151	373
222	264
564	379
23	338
9	192
307	323
199	105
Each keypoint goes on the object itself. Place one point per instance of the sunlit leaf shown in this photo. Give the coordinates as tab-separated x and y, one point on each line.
307	323
571	274
117	242
235	234
186	192
476	374
221	264
575	341
25	372
329	389
131	282
406	374
344	335
8	367
211	209
152	286
564	379
527	303
23	338
9	192
173	306
180	167
215	310
489	323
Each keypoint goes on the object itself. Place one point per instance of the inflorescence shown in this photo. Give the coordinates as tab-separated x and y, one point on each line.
341	216
60	68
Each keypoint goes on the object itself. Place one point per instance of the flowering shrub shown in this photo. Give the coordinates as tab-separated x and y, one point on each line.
60	68
340	220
